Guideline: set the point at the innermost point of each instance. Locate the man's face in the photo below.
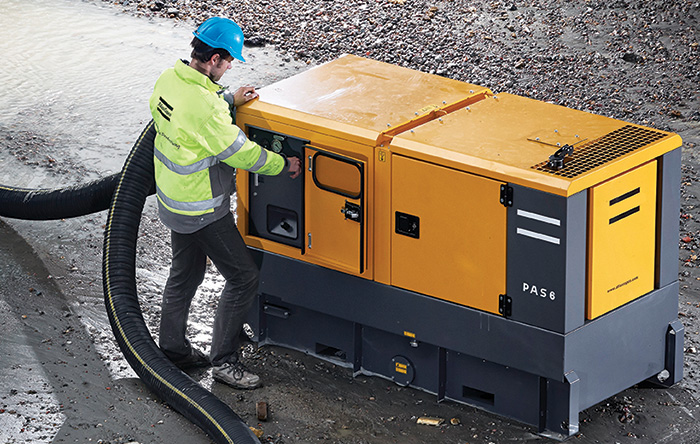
(221, 65)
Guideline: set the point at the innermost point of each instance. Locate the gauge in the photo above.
(277, 143)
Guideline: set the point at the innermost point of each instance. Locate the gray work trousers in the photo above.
(222, 243)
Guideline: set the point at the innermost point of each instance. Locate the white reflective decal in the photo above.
(539, 236)
(539, 217)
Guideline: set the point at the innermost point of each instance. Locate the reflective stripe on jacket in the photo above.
(196, 149)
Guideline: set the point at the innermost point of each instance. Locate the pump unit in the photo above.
(495, 250)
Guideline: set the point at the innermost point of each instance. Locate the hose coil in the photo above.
(125, 194)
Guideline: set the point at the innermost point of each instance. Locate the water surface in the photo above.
(82, 72)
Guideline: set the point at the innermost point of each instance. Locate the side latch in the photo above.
(556, 160)
(277, 311)
(408, 225)
(352, 211)
(506, 195)
(505, 305)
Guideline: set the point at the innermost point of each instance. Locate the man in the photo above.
(197, 148)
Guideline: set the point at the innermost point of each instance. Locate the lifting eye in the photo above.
(556, 160)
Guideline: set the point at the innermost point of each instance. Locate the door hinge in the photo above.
(505, 305)
(309, 234)
(506, 195)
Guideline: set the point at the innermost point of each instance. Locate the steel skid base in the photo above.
(535, 376)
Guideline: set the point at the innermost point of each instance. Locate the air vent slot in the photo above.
(603, 150)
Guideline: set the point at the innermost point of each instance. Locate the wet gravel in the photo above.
(633, 60)
(42, 153)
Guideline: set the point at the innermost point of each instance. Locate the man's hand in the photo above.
(294, 167)
(243, 95)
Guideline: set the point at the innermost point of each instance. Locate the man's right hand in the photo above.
(243, 95)
(294, 167)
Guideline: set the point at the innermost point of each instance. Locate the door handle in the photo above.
(352, 211)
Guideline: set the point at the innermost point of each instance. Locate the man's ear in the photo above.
(215, 59)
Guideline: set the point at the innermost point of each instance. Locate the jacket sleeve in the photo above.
(230, 145)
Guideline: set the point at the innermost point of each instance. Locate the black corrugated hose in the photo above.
(130, 189)
(49, 204)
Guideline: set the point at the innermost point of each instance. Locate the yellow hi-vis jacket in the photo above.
(196, 149)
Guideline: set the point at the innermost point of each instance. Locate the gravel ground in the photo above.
(633, 60)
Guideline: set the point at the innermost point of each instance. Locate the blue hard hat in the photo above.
(223, 33)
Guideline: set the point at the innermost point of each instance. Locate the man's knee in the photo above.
(252, 278)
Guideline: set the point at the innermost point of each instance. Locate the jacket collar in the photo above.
(191, 75)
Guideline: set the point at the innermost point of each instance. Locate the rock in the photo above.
(431, 421)
(633, 58)
(255, 41)
(261, 410)
(257, 432)
(431, 13)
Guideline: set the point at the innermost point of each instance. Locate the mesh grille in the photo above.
(603, 150)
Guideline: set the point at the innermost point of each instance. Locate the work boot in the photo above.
(236, 375)
(196, 359)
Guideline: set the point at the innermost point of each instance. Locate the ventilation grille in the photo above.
(603, 150)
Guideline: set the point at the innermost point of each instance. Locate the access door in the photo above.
(621, 240)
(335, 210)
(449, 236)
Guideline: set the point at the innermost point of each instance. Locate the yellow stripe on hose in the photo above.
(6, 188)
(118, 323)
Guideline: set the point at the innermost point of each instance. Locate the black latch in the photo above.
(556, 160)
(274, 310)
(505, 305)
(506, 195)
(352, 211)
(408, 225)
